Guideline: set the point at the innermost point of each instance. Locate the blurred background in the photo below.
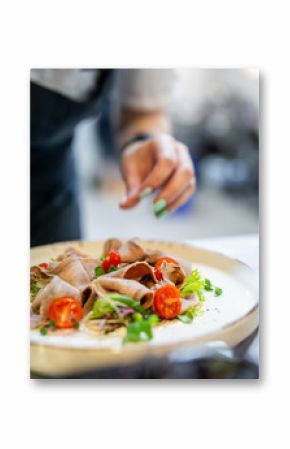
(215, 112)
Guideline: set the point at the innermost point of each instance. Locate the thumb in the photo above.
(131, 198)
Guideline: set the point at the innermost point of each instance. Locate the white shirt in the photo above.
(143, 89)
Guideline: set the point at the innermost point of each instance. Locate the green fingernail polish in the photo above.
(145, 192)
(159, 206)
(161, 214)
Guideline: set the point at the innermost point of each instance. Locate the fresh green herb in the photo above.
(102, 258)
(77, 325)
(208, 285)
(113, 268)
(200, 295)
(193, 284)
(188, 316)
(34, 289)
(218, 291)
(141, 330)
(103, 307)
(43, 330)
(51, 324)
(137, 317)
(128, 301)
(99, 271)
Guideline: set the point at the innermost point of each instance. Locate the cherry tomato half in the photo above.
(167, 302)
(43, 265)
(65, 312)
(158, 264)
(113, 258)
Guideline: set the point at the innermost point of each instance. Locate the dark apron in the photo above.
(53, 188)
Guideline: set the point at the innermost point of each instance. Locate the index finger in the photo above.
(166, 162)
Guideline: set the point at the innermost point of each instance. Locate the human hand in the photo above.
(159, 163)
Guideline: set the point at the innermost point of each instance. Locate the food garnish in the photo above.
(112, 259)
(43, 265)
(65, 312)
(188, 316)
(158, 264)
(167, 302)
(157, 290)
(210, 287)
(34, 289)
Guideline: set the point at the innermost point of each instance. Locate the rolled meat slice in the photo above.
(90, 264)
(56, 288)
(105, 285)
(172, 273)
(137, 271)
(72, 271)
(129, 251)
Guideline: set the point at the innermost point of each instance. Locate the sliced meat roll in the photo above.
(138, 271)
(56, 288)
(173, 273)
(129, 251)
(105, 285)
(72, 271)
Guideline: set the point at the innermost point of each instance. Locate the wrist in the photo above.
(140, 137)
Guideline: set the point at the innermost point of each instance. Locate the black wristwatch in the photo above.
(137, 138)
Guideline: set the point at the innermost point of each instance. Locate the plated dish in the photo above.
(128, 288)
(106, 326)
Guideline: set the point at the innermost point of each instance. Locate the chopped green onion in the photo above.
(43, 330)
(218, 291)
(208, 285)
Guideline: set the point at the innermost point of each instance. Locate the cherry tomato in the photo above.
(66, 312)
(43, 265)
(167, 302)
(113, 258)
(158, 264)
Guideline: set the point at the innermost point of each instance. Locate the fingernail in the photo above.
(145, 192)
(161, 214)
(159, 206)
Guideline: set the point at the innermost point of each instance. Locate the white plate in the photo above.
(230, 317)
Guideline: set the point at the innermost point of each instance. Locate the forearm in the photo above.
(132, 122)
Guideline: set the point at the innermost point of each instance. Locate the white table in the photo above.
(242, 247)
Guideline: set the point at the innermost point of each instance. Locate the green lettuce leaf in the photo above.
(193, 284)
(141, 330)
(188, 316)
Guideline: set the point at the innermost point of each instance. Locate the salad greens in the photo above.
(194, 284)
(137, 320)
(188, 316)
(99, 270)
(210, 287)
(108, 305)
(141, 329)
(34, 289)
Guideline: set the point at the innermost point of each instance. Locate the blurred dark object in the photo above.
(225, 140)
(213, 361)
